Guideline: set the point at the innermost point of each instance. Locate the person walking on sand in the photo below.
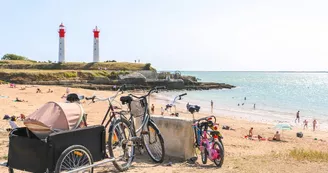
(152, 108)
(314, 124)
(212, 106)
(297, 116)
(305, 124)
(67, 91)
(162, 111)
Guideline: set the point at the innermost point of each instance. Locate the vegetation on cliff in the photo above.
(21, 76)
(12, 61)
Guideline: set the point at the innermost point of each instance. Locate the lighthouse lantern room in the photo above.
(61, 55)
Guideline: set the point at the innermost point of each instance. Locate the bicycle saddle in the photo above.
(125, 99)
(73, 97)
(193, 108)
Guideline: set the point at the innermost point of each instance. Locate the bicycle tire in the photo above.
(64, 154)
(203, 155)
(221, 143)
(111, 134)
(160, 159)
(221, 152)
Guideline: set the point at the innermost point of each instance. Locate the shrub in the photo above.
(309, 155)
(147, 66)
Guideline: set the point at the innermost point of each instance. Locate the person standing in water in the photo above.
(212, 106)
(305, 124)
(297, 116)
(314, 124)
(254, 106)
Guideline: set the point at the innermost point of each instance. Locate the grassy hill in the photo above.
(55, 75)
(20, 64)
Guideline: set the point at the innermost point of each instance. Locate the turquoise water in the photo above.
(277, 95)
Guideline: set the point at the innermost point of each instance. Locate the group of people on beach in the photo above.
(305, 122)
(276, 136)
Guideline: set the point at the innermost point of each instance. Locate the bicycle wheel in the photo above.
(119, 144)
(74, 157)
(203, 154)
(154, 143)
(219, 148)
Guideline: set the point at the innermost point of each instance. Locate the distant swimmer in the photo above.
(244, 98)
(242, 104)
(254, 106)
(238, 104)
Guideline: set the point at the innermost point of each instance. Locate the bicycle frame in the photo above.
(212, 153)
(110, 111)
(178, 97)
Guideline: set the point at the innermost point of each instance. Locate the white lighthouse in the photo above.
(61, 55)
(96, 45)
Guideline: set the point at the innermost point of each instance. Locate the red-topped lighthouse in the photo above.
(61, 56)
(96, 45)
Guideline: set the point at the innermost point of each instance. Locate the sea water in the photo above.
(277, 95)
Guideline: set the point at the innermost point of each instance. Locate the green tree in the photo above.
(14, 57)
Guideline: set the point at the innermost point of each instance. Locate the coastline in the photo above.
(246, 112)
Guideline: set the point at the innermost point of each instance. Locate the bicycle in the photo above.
(117, 134)
(208, 142)
(169, 106)
(149, 135)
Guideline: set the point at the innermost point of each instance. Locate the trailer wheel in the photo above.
(74, 157)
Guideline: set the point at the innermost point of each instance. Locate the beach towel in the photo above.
(3, 96)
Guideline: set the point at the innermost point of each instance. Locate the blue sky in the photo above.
(174, 34)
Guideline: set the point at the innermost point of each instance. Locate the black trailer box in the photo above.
(28, 153)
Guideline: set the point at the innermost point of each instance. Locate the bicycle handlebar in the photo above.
(206, 119)
(182, 94)
(95, 98)
(150, 91)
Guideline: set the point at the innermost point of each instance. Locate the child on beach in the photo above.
(305, 124)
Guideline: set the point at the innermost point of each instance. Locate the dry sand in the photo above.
(241, 155)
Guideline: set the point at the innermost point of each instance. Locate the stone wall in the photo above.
(178, 135)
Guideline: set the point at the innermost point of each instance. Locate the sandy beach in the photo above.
(241, 155)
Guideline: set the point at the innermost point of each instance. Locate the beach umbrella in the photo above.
(283, 126)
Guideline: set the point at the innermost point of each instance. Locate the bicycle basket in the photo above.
(137, 108)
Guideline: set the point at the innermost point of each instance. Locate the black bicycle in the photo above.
(149, 136)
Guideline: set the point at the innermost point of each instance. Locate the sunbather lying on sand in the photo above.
(18, 100)
(276, 137)
(227, 128)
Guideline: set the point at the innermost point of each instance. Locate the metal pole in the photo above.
(93, 165)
